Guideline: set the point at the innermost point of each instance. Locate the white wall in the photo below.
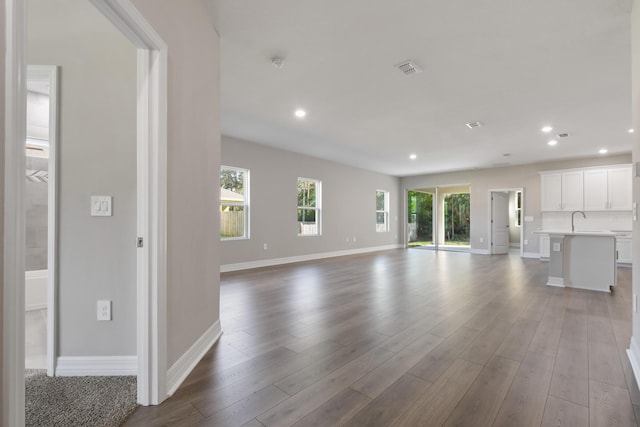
(194, 168)
(348, 204)
(484, 180)
(97, 156)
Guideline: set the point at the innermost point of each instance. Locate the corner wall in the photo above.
(348, 205)
(193, 138)
(523, 176)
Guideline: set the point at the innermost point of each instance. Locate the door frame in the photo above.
(151, 202)
(490, 216)
(49, 74)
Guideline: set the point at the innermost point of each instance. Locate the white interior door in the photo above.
(499, 223)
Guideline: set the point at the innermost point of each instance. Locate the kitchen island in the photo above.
(582, 259)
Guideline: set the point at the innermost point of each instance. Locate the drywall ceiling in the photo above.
(512, 65)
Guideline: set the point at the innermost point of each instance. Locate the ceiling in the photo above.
(515, 66)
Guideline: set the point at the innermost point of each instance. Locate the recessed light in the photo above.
(552, 142)
(300, 113)
(603, 151)
(630, 131)
(546, 129)
(413, 156)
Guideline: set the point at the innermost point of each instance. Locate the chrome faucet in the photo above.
(573, 215)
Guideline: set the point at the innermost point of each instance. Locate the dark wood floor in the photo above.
(411, 338)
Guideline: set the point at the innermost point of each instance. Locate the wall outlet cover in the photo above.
(104, 310)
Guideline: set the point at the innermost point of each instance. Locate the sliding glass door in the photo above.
(439, 218)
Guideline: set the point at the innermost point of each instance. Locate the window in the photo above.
(234, 203)
(309, 203)
(518, 208)
(382, 210)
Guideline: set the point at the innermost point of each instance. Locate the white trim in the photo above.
(535, 255)
(555, 281)
(301, 258)
(185, 364)
(634, 358)
(49, 74)
(151, 198)
(91, 366)
(14, 245)
(480, 251)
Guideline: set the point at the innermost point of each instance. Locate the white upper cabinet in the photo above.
(551, 191)
(619, 186)
(572, 191)
(591, 189)
(596, 194)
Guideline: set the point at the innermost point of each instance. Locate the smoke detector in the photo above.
(473, 125)
(408, 67)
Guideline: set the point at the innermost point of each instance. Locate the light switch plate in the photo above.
(528, 219)
(101, 205)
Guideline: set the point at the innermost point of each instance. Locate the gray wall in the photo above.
(97, 156)
(524, 176)
(348, 204)
(635, 101)
(193, 216)
(2, 91)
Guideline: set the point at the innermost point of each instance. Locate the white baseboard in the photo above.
(183, 366)
(96, 366)
(634, 357)
(301, 258)
(535, 255)
(556, 281)
(480, 251)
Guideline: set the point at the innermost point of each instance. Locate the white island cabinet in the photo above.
(582, 259)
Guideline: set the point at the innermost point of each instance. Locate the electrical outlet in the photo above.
(265, 246)
(104, 310)
(482, 240)
(354, 239)
(526, 242)
(347, 240)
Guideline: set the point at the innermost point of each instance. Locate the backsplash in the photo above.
(596, 221)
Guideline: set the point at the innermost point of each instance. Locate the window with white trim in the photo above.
(382, 211)
(309, 204)
(234, 203)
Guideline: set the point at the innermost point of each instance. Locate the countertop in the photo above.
(578, 233)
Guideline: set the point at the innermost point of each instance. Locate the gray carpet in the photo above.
(78, 401)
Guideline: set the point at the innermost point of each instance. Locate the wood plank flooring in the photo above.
(411, 338)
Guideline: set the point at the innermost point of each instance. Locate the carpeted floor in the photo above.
(78, 401)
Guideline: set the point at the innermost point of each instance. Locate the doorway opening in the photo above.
(151, 201)
(439, 218)
(40, 216)
(506, 220)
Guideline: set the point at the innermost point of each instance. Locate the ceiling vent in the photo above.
(408, 67)
(473, 125)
